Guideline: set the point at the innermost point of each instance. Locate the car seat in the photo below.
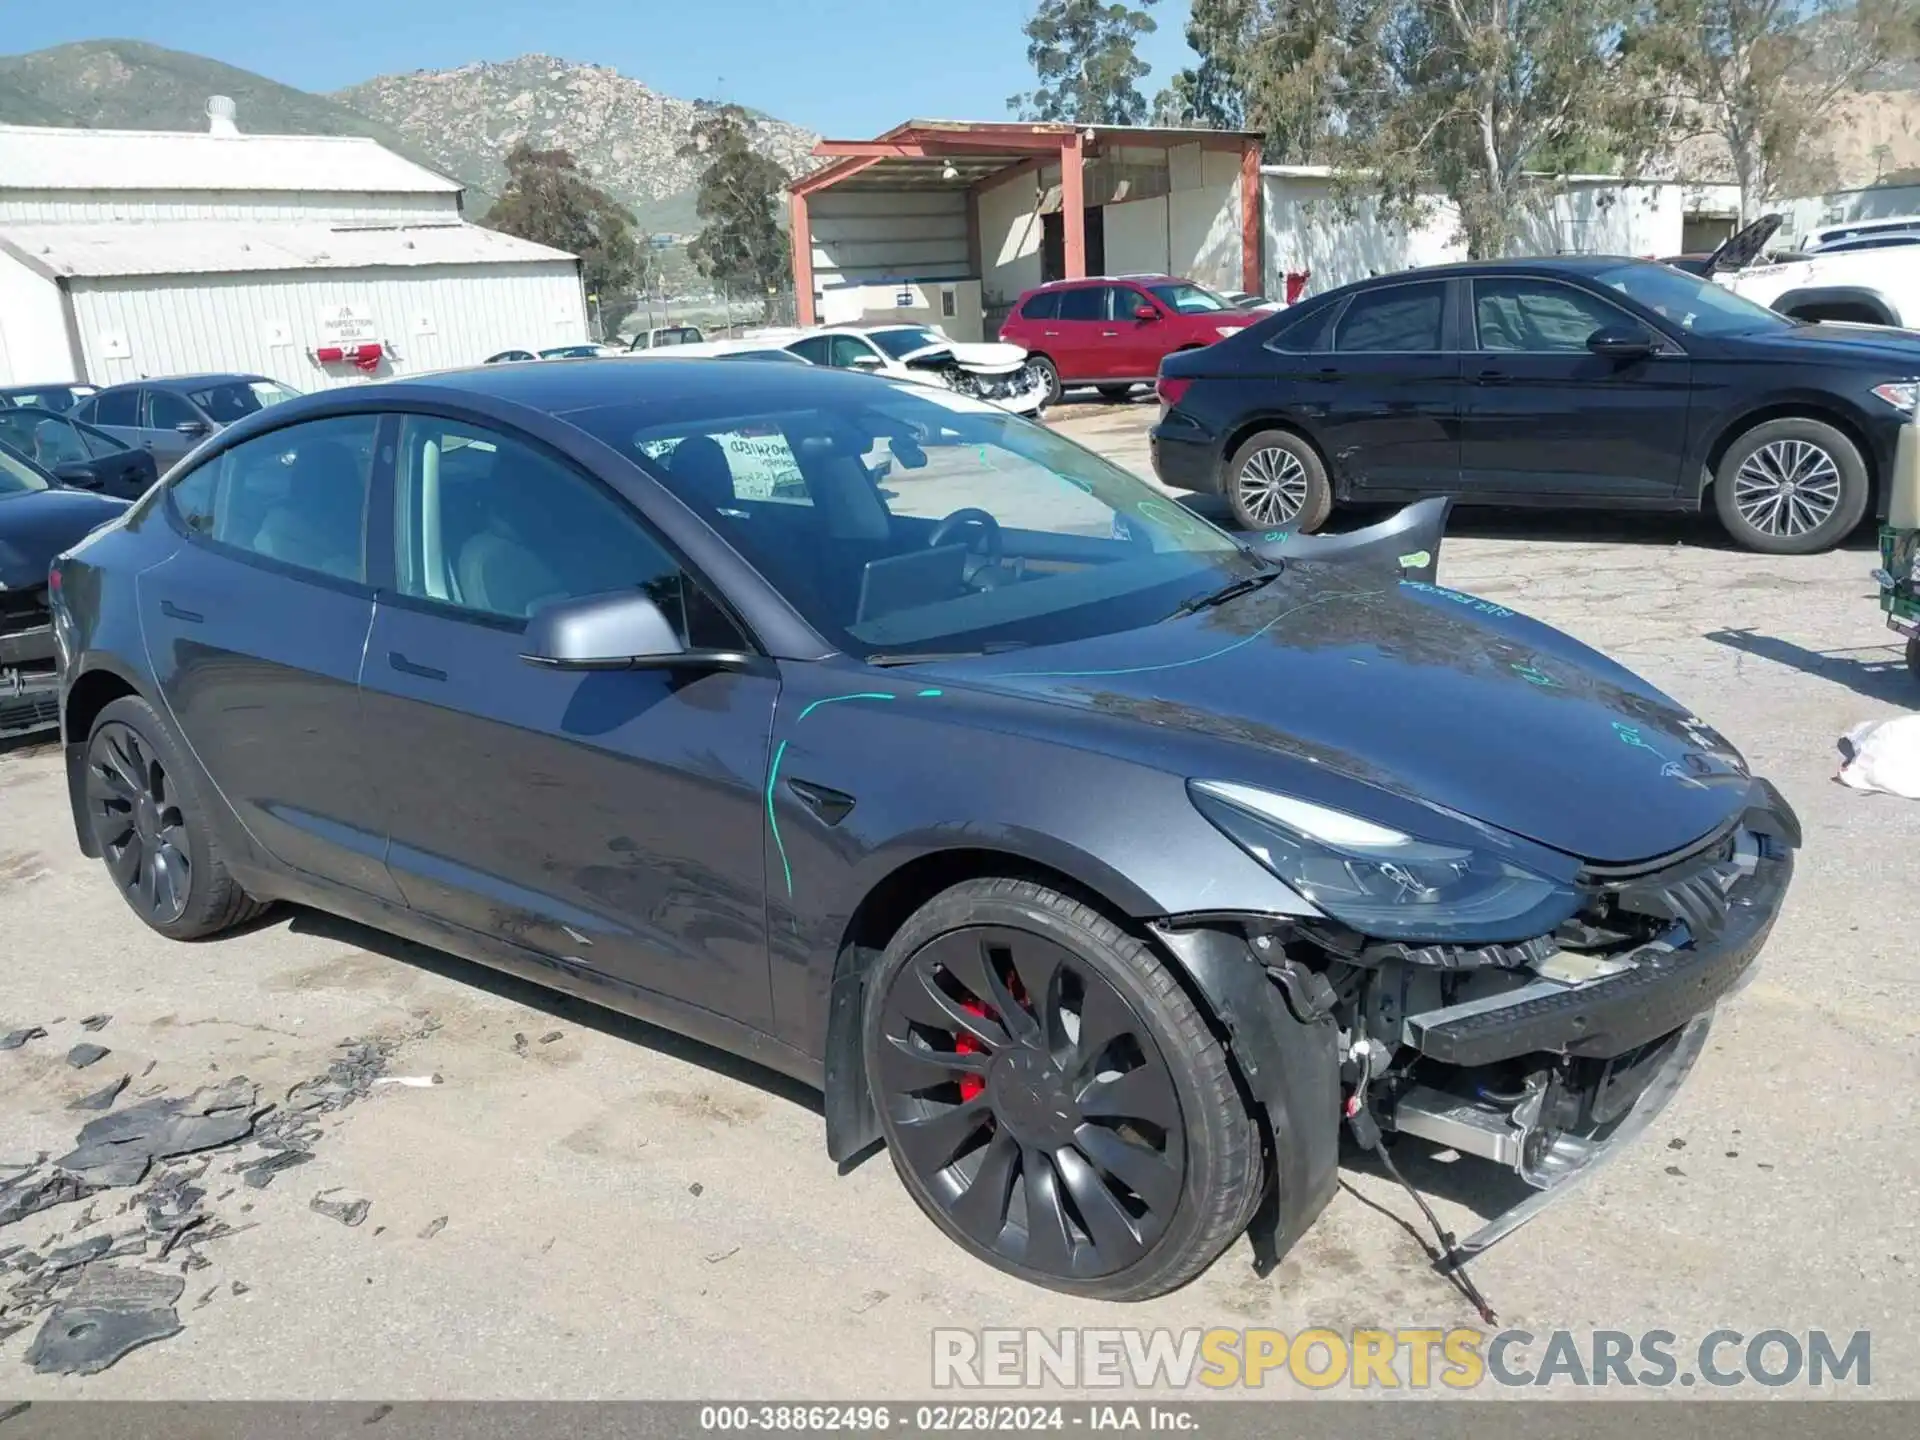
(318, 524)
(699, 474)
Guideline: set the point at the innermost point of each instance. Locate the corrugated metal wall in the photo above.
(861, 235)
(60, 207)
(432, 318)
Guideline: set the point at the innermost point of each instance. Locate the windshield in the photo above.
(1697, 306)
(227, 403)
(1188, 299)
(17, 477)
(900, 520)
(901, 343)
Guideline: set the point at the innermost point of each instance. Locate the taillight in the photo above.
(53, 580)
(1170, 388)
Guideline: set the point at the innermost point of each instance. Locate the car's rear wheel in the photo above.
(1791, 487)
(1051, 1096)
(1049, 376)
(147, 818)
(1275, 480)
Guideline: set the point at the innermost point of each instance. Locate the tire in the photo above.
(1791, 487)
(143, 799)
(1277, 479)
(1116, 394)
(1050, 374)
(977, 1160)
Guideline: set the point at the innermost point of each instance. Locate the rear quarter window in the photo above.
(1302, 332)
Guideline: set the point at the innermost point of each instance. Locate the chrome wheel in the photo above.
(1272, 486)
(137, 819)
(1030, 1102)
(1787, 488)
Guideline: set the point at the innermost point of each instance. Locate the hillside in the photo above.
(626, 134)
(131, 85)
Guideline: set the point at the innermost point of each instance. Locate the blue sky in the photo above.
(849, 68)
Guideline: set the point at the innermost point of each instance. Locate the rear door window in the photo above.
(1396, 319)
(1044, 306)
(116, 407)
(1088, 302)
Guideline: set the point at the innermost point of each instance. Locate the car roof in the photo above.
(179, 382)
(1142, 279)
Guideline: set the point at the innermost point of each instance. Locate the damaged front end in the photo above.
(1006, 380)
(1545, 1057)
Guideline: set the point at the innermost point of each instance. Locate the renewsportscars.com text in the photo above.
(1401, 1359)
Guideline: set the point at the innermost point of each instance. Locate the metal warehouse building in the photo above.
(315, 260)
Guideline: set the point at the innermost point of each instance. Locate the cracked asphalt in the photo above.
(611, 1212)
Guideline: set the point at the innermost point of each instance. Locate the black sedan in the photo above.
(1572, 381)
(76, 454)
(39, 518)
(1099, 868)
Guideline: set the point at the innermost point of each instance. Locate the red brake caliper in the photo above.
(965, 1044)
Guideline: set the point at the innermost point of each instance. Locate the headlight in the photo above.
(1899, 394)
(1380, 882)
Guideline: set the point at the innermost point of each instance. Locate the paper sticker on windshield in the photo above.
(960, 404)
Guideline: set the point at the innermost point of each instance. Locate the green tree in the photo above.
(740, 244)
(549, 199)
(1764, 76)
(1083, 53)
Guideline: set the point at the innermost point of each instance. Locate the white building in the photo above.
(316, 260)
(1309, 231)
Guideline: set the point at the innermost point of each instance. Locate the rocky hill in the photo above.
(627, 135)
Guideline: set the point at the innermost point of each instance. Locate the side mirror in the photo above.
(77, 474)
(1145, 313)
(867, 362)
(192, 427)
(1621, 342)
(622, 631)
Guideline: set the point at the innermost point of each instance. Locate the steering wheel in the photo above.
(993, 545)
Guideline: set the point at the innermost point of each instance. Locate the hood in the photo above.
(34, 528)
(1414, 689)
(1863, 343)
(1739, 249)
(991, 358)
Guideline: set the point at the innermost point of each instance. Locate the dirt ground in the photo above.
(586, 1207)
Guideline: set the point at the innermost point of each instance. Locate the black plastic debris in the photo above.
(83, 1055)
(103, 1098)
(91, 1023)
(92, 1248)
(111, 1312)
(433, 1227)
(347, 1212)
(39, 1190)
(260, 1174)
(550, 1037)
(519, 1043)
(116, 1149)
(240, 1287)
(14, 1039)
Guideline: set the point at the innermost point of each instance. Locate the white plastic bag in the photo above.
(1883, 756)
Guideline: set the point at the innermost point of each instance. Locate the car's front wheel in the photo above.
(1048, 375)
(1051, 1096)
(1791, 487)
(1276, 479)
(151, 827)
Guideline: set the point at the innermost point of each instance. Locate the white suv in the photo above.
(1841, 276)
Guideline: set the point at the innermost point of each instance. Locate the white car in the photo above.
(1840, 281)
(996, 373)
(746, 348)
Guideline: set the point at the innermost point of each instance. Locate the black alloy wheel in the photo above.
(1036, 1111)
(135, 807)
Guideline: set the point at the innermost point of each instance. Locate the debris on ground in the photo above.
(550, 1037)
(14, 1039)
(412, 1082)
(347, 1211)
(112, 1310)
(103, 1098)
(239, 1287)
(718, 1255)
(91, 1023)
(433, 1227)
(260, 1173)
(116, 1149)
(36, 1190)
(519, 1043)
(1883, 756)
(696, 1189)
(83, 1055)
(70, 1256)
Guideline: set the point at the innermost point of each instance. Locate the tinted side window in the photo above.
(1539, 316)
(1303, 334)
(847, 351)
(490, 525)
(1397, 318)
(297, 495)
(813, 348)
(1089, 302)
(115, 407)
(1044, 306)
(166, 410)
(1123, 300)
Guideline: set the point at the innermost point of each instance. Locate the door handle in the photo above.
(407, 667)
(174, 612)
(1050, 332)
(1109, 334)
(1492, 377)
(1329, 373)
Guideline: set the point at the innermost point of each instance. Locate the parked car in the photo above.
(1113, 333)
(1107, 976)
(76, 454)
(578, 352)
(39, 517)
(170, 415)
(999, 374)
(1864, 279)
(666, 336)
(1826, 236)
(1568, 381)
(59, 398)
(509, 357)
(1247, 300)
(744, 349)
